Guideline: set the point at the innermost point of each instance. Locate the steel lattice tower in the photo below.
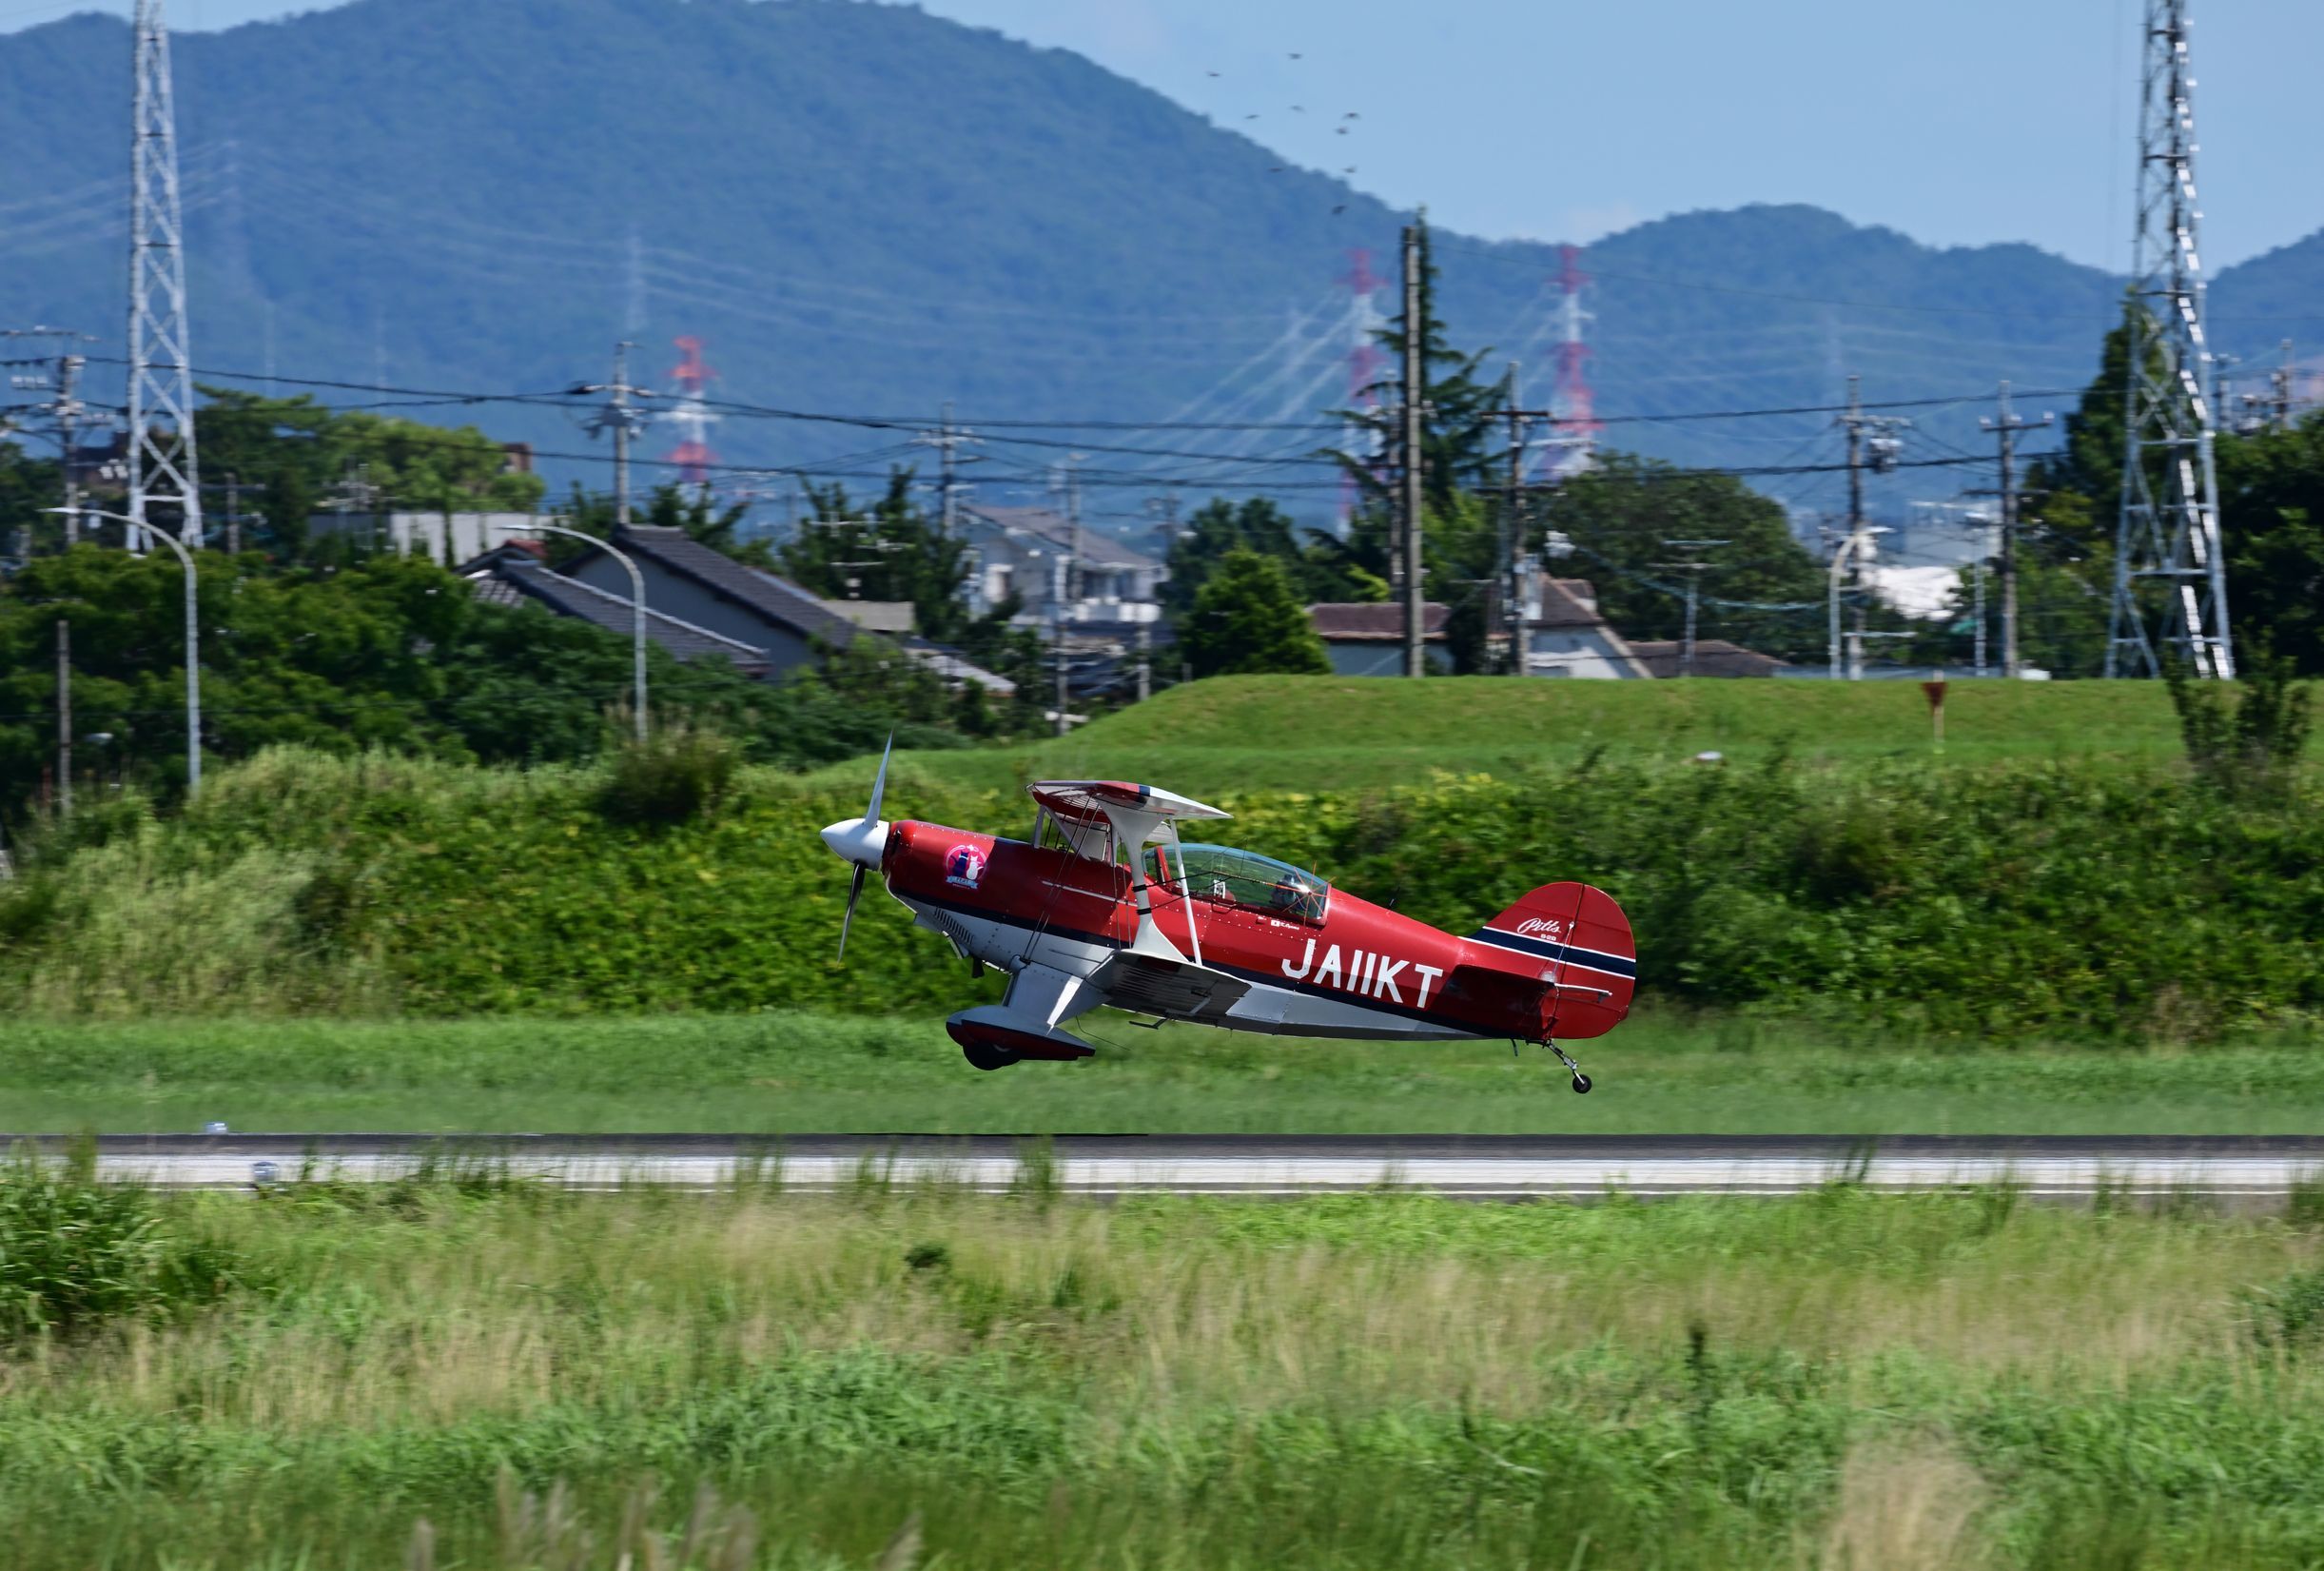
(162, 468)
(2170, 576)
(1575, 429)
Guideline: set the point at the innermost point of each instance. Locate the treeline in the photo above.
(2072, 901)
(318, 641)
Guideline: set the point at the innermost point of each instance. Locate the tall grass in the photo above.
(1842, 1380)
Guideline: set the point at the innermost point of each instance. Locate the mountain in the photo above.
(863, 208)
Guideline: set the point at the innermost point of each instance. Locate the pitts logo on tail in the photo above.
(1106, 907)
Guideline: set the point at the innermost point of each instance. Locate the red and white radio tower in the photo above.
(1574, 428)
(691, 415)
(1366, 362)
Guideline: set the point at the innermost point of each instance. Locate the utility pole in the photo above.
(1513, 531)
(2169, 573)
(233, 514)
(622, 421)
(1073, 523)
(1873, 445)
(2005, 427)
(162, 462)
(64, 717)
(62, 408)
(947, 439)
(1693, 566)
(1416, 392)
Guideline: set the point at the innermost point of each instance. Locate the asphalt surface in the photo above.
(2257, 1172)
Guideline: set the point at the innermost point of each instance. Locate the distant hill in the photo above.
(861, 207)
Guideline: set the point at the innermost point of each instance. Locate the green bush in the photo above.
(671, 776)
(2019, 899)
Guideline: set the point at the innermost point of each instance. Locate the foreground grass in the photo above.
(1240, 734)
(806, 1073)
(1842, 1380)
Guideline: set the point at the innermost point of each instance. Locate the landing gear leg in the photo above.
(1581, 1081)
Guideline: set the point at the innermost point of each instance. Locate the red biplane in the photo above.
(1105, 906)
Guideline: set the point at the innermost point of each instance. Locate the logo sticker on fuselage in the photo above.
(964, 865)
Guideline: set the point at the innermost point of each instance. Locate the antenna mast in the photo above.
(2170, 575)
(162, 469)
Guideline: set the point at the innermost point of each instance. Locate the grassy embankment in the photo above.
(799, 1074)
(2015, 901)
(1244, 733)
(1843, 1380)
(2095, 900)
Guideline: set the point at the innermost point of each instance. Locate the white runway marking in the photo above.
(2256, 1173)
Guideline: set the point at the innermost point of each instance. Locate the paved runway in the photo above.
(2256, 1173)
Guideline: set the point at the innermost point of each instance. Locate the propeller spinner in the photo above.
(861, 840)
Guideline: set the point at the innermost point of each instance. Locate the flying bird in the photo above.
(1296, 110)
(1341, 209)
(1350, 169)
(1350, 115)
(1295, 57)
(1250, 117)
(1210, 74)
(1342, 130)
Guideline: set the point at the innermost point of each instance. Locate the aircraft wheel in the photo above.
(988, 1058)
(1581, 1084)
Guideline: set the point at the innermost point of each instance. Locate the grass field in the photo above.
(1304, 732)
(472, 1373)
(810, 1073)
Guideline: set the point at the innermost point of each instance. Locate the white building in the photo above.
(1034, 554)
(447, 538)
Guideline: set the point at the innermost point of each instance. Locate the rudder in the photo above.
(1585, 944)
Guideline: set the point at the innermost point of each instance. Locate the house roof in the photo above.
(512, 577)
(776, 600)
(1567, 602)
(956, 671)
(1097, 548)
(1374, 621)
(1712, 658)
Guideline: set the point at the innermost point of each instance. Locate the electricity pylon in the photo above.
(163, 472)
(2170, 575)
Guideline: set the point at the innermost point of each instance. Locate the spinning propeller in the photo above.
(861, 840)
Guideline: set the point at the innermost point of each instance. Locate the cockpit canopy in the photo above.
(1229, 877)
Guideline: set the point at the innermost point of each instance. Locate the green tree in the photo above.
(1246, 618)
(1320, 567)
(887, 550)
(1459, 428)
(2271, 520)
(28, 485)
(290, 456)
(1618, 517)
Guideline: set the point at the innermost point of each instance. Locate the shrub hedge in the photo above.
(2014, 899)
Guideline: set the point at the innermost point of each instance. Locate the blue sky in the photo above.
(1956, 121)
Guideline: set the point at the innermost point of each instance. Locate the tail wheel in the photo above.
(988, 1058)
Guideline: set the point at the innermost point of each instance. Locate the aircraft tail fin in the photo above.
(1577, 943)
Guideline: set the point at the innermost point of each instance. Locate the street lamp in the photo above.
(1858, 541)
(638, 615)
(193, 639)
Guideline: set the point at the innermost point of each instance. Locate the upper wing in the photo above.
(1095, 801)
